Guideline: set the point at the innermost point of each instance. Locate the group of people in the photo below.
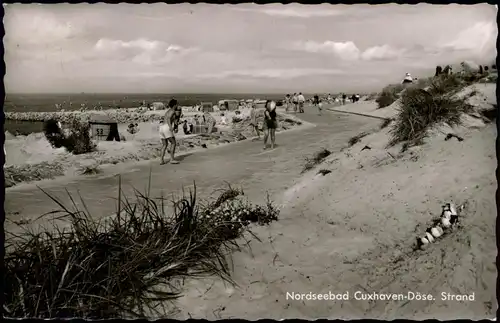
(295, 101)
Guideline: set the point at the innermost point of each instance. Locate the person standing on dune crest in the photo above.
(167, 129)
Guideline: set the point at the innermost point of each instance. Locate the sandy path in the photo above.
(241, 163)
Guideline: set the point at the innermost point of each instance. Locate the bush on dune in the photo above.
(78, 140)
(421, 109)
(389, 95)
(116, 268)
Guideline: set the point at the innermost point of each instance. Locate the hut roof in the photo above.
(101, 118)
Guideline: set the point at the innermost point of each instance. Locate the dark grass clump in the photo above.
(421, 109)
(384, 124)
(490, 114)
(90, 170)
(115, 268)
(389, 95)
(77, 141)
(354, 140)
(316, 159)
(324, 172)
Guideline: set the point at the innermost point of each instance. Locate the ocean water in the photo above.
(47, 102)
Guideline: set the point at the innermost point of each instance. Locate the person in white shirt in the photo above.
(407, 79)
(301, 100)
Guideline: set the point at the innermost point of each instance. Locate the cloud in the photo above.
(295, 12)
(344, 50)
(479, 38)
(42, 28)
(349, 51)
(272, 73)
(141, 51)
(384, 52)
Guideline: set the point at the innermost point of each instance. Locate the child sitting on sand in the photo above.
(223, 119)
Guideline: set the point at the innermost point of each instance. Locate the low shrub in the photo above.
(389, 95)
(115, 267)
(77, 141)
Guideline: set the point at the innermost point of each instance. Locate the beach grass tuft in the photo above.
(421, 109)
(127, 264)
(316, 159)
(355, 139)
(384, 124)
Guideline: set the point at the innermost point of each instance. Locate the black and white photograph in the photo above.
(246, 161)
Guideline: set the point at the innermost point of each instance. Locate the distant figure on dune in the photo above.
(344, 98)
(407, 79)
(270, 123)
(167, 129)
(439, 71)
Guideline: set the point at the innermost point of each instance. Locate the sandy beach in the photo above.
(360, 235)
(31, 158)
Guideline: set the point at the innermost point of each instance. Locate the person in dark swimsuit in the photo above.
(316, 103)
(270, 123)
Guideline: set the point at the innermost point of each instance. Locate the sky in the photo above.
(245, 48)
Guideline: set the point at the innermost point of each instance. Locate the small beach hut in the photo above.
(229, 105)
(102, 127)
(158, 106)
(207, 107)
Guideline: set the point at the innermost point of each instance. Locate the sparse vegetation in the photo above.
(389, 95)
(90, 170)
(316, 159)
(420, 109)
(15, 174)
(354, 140)
(385, 123)
(128, 264)
(324, 172)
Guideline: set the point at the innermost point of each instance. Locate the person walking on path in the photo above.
(287, 102)
(253, 121)
(301, 100)
(270, 123)
(167, 129)
(317, 103)
(295, 102)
